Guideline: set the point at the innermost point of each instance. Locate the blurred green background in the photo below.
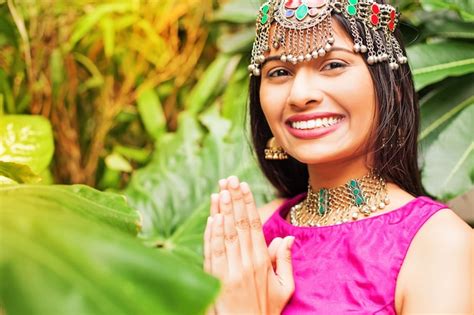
(117, 118)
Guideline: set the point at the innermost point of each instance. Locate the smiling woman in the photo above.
(334, 120)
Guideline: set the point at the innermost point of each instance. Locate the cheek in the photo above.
(272, 100)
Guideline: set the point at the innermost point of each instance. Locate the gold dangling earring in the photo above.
(274, 151)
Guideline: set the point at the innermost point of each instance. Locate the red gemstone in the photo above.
(375, 8)
(393, 14)
(374, 19)
(391, 25)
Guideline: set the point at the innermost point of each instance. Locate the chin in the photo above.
(322, 154)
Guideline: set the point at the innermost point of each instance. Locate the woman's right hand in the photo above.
(256, 279)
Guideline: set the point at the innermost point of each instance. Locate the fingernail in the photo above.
(225, 196)
(214, 197)
(244, 187)
(234, 182)
(209, 220)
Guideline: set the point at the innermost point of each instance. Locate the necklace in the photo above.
(355, 199)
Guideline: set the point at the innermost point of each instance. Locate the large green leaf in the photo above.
(11, 172)
(443, 104)
(450, 28)
(433, 62)
(211, 82)
(238, 11)
(26, 139)
(109, 208)
(465, 8)
(449, 166)
(55, 261)
(173, 191)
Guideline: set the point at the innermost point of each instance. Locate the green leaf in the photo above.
(441, 105)
(19, 173)
(210, 82)
(109, 208)
(54, 261)
(238, 42)
(88, 21)
(117, 162)
(234, 100)
(465, 8)
(109, 36)
(57, 73)
(151, 113)
(450, 28)
(450, 160)
(26, 139)
(172, 192)
(433, 62)
(237, 11)
(7, 93)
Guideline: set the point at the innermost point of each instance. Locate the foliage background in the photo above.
(147, 99)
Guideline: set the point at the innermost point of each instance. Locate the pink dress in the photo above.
(350, 268)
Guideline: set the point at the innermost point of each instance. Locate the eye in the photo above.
(278, 73)
(334, 65)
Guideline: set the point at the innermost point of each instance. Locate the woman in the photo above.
(334, 121)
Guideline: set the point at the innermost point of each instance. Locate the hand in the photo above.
(256, 279)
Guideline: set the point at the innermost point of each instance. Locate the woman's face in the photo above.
(323, 110)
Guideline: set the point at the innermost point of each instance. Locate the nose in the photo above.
(305, 90)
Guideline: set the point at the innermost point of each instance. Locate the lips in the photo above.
(314, 125)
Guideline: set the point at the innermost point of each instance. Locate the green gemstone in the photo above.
(264, 19)
(265, 8)
(301, 12)
(359, 200)
(356, 191)
(353, 183)
(351, 10)
(322, 211)
(353, 2)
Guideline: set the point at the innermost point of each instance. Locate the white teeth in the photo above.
(315, 123)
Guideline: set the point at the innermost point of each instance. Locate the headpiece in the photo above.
(303, 29)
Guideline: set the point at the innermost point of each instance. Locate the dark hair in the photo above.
(395, 135)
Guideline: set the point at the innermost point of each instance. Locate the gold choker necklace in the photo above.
(351, 201)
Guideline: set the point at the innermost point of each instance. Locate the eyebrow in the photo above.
(277, 57)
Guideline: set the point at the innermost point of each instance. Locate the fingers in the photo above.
(242, 222)
(214, 204)
(207, 246)
(284, 269)
(218, 253)
(258, 239)
(222, 184)
(231, 239)
(272, 250)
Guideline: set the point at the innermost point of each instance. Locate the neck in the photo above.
(330, 175)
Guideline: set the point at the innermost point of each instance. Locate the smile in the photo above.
(315, 123)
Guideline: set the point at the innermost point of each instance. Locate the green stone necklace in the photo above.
(351, 201)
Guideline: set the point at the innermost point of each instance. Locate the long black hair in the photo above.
(394, 137)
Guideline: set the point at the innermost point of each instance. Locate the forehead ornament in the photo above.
(303, 30)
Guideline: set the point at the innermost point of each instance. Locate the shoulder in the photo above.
(438, 268)
(268, 209)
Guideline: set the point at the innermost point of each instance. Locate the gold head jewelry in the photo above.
(303, 30)
(274, 151)
(356, 199)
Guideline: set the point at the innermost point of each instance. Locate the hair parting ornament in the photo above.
(303, 29)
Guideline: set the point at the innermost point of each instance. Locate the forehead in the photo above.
(341, 38)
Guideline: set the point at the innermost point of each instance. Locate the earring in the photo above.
(274, 151)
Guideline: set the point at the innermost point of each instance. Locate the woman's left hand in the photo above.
(256, 279)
